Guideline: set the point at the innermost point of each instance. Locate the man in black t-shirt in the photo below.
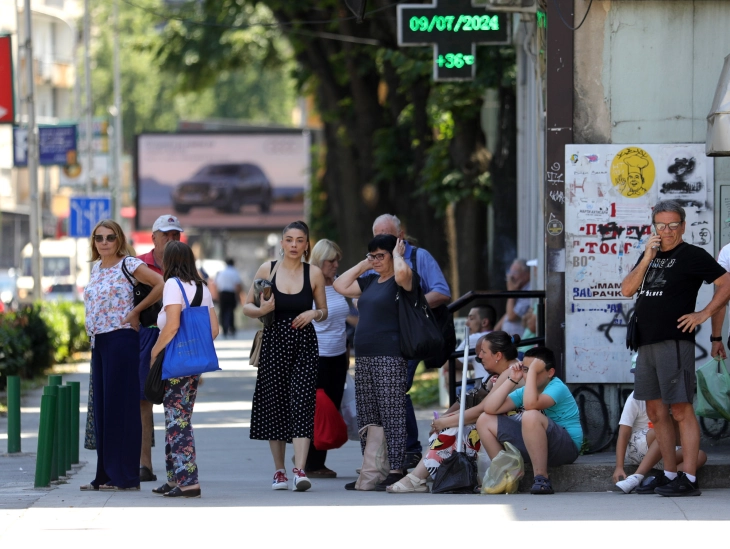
(668, 276)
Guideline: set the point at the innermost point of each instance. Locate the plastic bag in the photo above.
(457, 474)
(483, 463)
(713, 390)
(505, 472)
(348, 409)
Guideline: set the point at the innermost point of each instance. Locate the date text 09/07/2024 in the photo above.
(451, 23)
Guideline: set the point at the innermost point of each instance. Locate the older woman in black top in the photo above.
(284, 398)
(380, 369)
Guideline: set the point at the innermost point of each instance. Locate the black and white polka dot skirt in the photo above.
(286, 383)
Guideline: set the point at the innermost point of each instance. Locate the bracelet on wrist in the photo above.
(513, 381)
(713, 338)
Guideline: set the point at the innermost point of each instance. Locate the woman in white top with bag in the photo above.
(332, 338)
(180, 392)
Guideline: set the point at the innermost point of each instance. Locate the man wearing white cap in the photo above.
(165, 228)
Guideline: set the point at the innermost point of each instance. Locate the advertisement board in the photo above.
(223, 180)
(7, 102)
(609, 194)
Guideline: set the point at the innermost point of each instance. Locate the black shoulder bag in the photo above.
(148, 317)
(445, 321)
(420, 335)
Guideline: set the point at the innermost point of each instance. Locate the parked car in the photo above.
(65, 270)
(225, 187)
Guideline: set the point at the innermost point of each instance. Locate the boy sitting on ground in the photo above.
(637, 445)
(549, 432)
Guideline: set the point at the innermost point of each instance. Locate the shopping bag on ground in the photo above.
(457, 474)
(505, 472)
(330, 431)
(713, 390)
(348, 409)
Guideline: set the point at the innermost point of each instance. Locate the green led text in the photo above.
(451, 23)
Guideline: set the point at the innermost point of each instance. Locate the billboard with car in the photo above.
(223, 180)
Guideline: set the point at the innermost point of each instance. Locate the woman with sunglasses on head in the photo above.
(112, 323)
(496, 353)
(286, 381)
(380, 370)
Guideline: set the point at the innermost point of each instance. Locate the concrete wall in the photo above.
(646, 72)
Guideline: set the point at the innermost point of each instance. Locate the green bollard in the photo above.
(55, 379)
(52, 390)
(13, 414)
(75, 417)
(44, 457)
(62, 428)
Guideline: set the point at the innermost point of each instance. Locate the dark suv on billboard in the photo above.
(225, 187)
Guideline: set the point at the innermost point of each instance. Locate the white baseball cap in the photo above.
(166, 223)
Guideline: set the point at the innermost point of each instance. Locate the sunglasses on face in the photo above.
(373, 257)
(672, 226)
(109, 237)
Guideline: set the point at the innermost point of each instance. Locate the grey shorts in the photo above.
(561, 448)
(666, 371)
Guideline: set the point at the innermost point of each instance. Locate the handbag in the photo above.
(375, 464)
(420, 335)
(713, 390)
(330, 430)
(154, 385)
(259, 285)
(253, 359)
(148, 317)
(191, 351)
(476, 394)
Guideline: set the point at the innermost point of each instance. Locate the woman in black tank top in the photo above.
(284, 398)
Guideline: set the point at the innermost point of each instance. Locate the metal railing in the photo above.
(475, 295)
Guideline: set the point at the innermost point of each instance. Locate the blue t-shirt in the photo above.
(564, 412)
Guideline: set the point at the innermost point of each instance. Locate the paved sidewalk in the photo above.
(239, 506)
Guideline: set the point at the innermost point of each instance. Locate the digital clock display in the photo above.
(454, 28)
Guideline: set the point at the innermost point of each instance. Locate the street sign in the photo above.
(86, 212)
(453, 28)
(7, 108)
(56, 146)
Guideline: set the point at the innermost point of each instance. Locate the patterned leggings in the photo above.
(380, 388)
(180, 393)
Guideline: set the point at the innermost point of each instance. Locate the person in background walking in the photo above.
(437, 293)
(332, 341)
(286, 380)
(229, 285)
(166, 228)
(180, 392)
(112, 322)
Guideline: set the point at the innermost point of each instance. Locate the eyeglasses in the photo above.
(109, 238)
(373, 257)
(672, 226)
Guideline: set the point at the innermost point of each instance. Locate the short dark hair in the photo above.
(179, 262)
(672, 206)
(501, 342)
(544, 354)
(299, 225)
(488, 312)
(385, 242)
(230, 261)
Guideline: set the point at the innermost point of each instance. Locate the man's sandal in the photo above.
(541, 485)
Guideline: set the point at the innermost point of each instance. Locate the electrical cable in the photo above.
(557, 5)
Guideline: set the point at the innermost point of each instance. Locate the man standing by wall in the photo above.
(437, 293)
(165, 228)
(229, 285)
(669, 274)
(518, 278)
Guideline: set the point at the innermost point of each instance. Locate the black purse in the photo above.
(154, 385)
(420, 334)
(148, 317)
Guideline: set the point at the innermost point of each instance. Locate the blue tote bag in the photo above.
(191, 351)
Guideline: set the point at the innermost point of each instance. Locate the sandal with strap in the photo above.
(541, 485)
(408, 484)
(88, 488)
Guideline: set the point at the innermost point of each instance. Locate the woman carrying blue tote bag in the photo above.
(187, 331)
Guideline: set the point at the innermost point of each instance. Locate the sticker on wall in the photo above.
(554, 226)
(632, 172)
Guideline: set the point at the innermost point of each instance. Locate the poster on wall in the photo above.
(609, 193)
(252, 181)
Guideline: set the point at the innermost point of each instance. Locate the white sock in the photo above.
(280, 471)
(691, 478)
(669, 475)
(637, 475)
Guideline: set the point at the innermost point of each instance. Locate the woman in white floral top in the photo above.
(112, 323)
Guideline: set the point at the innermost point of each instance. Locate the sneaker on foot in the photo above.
(649, 484)
(630, 483)
(301, 482)
(280, 481)
(679, 487)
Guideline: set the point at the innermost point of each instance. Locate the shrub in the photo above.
(65, 323)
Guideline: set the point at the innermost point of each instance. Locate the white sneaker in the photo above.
(301, 482)
(630, 483)
(280, 481)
